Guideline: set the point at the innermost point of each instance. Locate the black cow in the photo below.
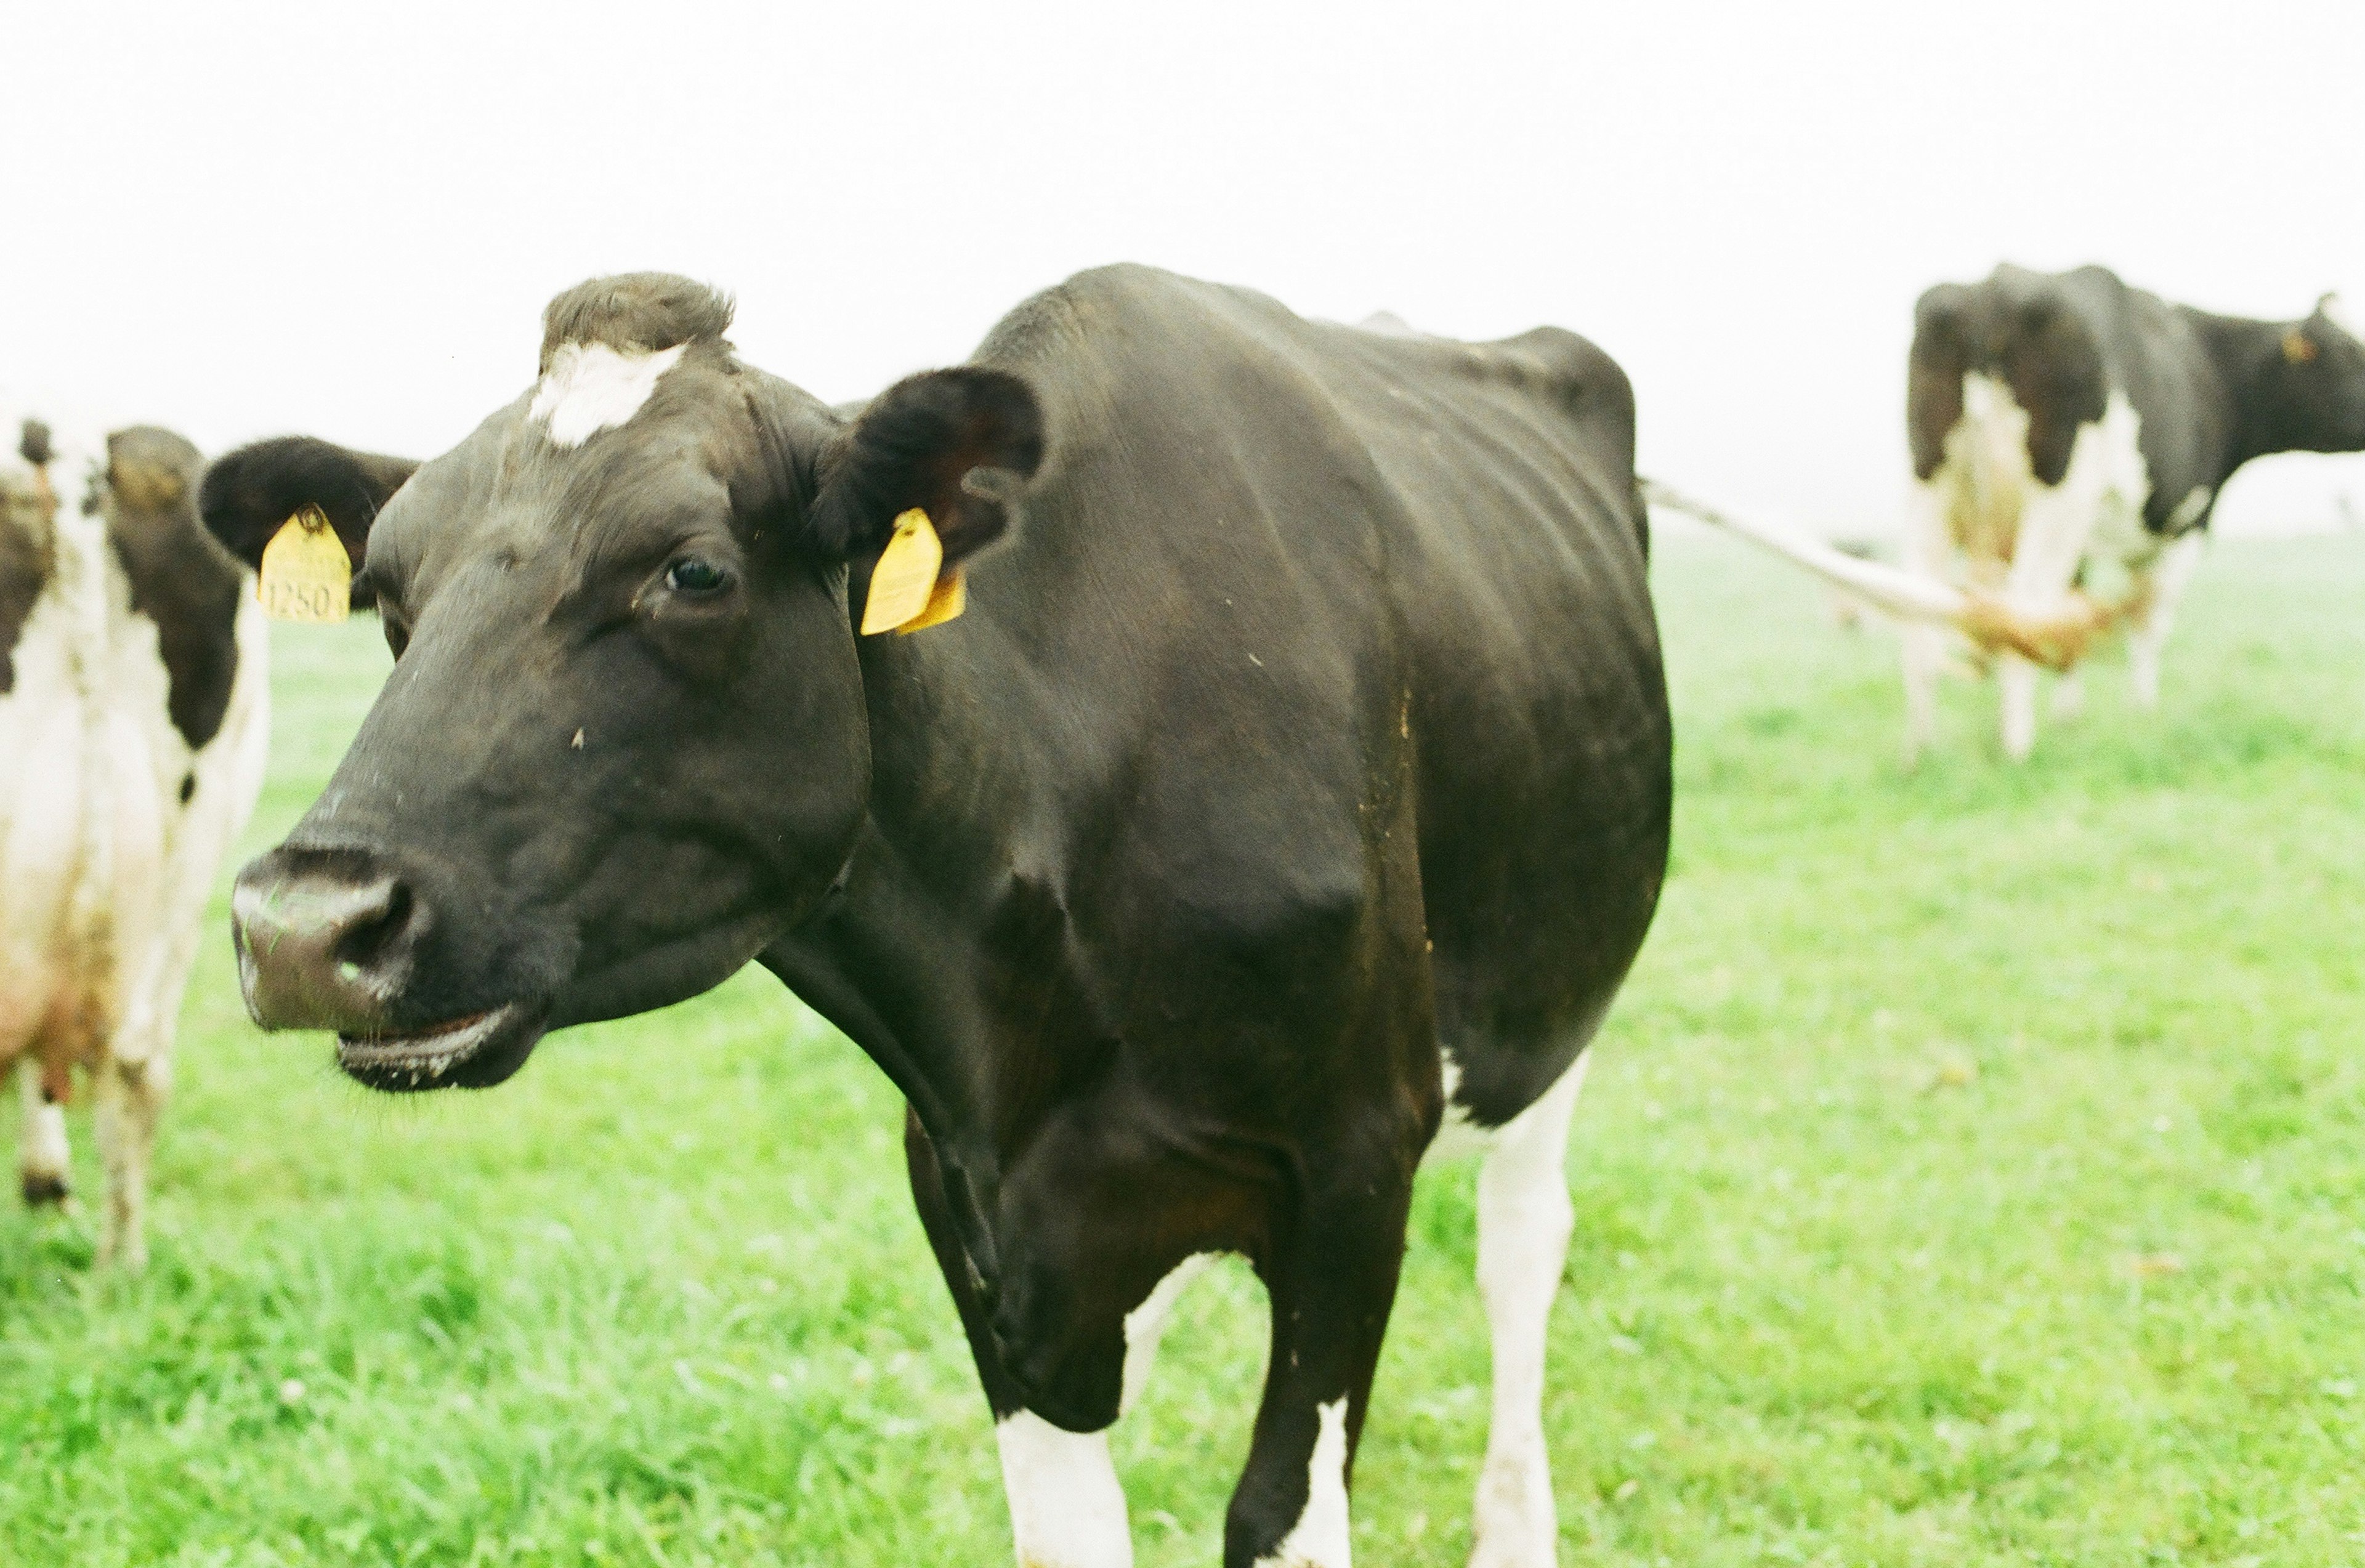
(1298, 780)
(2070, 435)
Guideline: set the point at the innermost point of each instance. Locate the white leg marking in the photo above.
(1146, 1324)
(42, 1154)
(1318, 1540)
(2169, 576)
(590, 388)
(1066, 1507)
(1524, 1220)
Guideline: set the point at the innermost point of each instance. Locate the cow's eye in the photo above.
(697, 577)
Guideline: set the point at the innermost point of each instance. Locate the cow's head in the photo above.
(624, 743)
(2317, 401)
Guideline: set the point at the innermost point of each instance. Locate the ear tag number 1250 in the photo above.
(905, 592)
(306, 573)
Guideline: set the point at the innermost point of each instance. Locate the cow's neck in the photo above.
(944, 951)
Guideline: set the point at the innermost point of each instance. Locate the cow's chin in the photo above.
(472, 1052)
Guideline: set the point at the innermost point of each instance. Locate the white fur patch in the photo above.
(1066, 1509)
(1457, 1135)
(590, 388)
(1524, 1219)
(1320, 1538)
(1145, 1324)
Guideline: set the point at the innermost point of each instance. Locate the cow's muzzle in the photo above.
(332, 939)
(325, 939)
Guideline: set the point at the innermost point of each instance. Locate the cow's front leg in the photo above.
(1332, 1282)
(130, 1095)
(1067, 1509)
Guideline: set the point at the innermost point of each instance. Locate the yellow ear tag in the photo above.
(2298, 347)
(306, 573)
(946, 601)
(905, 578)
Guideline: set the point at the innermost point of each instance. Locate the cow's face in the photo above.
(2323, 372)
(623, 745)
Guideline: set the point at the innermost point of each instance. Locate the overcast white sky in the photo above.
(344, 218)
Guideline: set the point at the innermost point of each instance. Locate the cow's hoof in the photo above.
(41, 1188)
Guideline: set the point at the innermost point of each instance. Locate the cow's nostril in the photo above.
(375, 930)
(326, 941)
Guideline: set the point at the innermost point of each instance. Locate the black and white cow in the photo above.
(1296, 781)
(133, 722)
(2070, 436)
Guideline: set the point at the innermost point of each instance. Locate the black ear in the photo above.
(957, 443)
(248, 494)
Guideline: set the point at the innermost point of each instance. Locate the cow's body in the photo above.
(2070, 436)
(1297, 778)
(133, 730)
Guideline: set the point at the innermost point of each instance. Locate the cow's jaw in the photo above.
(472, 1052)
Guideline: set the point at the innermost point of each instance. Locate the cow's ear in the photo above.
(959, 445)
(248, 495)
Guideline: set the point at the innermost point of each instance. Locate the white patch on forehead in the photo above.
(590, 388)
(1319, 1539)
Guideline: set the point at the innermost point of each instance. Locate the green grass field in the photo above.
(1972, 1174)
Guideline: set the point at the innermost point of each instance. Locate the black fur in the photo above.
(180, 577)
(27, 555)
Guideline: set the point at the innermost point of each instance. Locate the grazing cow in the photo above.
(2070, 437)
(1296, 780)
(132, 726)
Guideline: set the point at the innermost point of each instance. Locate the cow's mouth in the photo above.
(472, 1052)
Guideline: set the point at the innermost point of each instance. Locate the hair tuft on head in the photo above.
(635, 312)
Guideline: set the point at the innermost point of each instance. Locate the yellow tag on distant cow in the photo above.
(946, 601)
(905, 578)
(306, 575)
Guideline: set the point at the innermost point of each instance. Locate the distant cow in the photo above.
(2070, 437)
(133, 729)
(1297, 779)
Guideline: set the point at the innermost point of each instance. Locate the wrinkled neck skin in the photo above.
(910, 952)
